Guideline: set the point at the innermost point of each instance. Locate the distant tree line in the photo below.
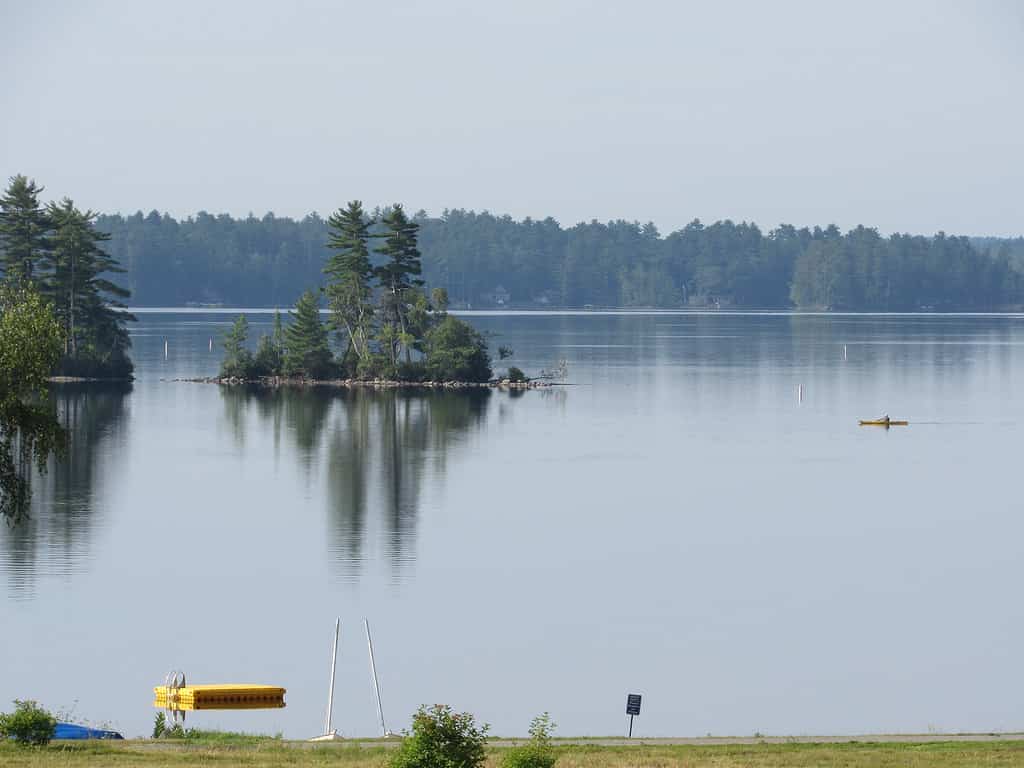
(483, 260)
(1009, 248)
(386, 325)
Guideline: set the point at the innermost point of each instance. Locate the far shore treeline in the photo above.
(488, 261)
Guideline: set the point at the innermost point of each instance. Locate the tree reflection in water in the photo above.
(378, 448)
(62, 513)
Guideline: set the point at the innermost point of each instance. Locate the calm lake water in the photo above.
(676, 524)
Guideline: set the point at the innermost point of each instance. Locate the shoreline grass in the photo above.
(270, 751)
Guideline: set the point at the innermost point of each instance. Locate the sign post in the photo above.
(632, 709)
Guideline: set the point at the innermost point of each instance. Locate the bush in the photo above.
(457, 352)
(316, 364)
(515, 375)
(239, 366)
(89, 365)
(269, 360)
(414, 371)
(373, 367)
(538, 753)
(28, 724)
(164, 730)
(442, 739)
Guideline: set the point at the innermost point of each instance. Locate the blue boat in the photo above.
(72, 731)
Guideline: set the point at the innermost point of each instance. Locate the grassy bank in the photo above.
(271, 752)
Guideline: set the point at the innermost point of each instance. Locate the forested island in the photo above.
(488, 261)
(388, 328)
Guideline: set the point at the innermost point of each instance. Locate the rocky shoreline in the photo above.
(283, 381)
(88, 380)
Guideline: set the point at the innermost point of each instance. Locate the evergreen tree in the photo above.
(24, 229)
(397, 275)
(278, 335)
(268, 360)
(88, 305)
(237, 357)
(307, 352)
(349, 289)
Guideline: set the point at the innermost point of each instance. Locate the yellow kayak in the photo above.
(883, 423)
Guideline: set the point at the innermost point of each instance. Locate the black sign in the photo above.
(633, 704)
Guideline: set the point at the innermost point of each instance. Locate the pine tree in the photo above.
(237, 357)
(24, 229)
(397, 276)
(269, 359)
(349, 289)
(278, 336)
(88, 305)
(307, 352)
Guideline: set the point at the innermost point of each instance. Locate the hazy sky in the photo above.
(902, 115)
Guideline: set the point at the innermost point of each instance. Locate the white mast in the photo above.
(334, 667)
(329, 733)
(376, 686)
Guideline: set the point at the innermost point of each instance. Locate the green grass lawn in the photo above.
(256, 751)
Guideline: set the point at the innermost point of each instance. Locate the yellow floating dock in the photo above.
(221, 696)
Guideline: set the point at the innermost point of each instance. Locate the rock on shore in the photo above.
(282, 381)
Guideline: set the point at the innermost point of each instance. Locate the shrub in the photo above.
(373, 367)
(441, 738)
(89, 364)
(457, 351)
(28, 724)
(414, 371)
(538, 753)
(515, 375)
(240, 366)
(164, 730)
(268, 360)
(315, 364)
